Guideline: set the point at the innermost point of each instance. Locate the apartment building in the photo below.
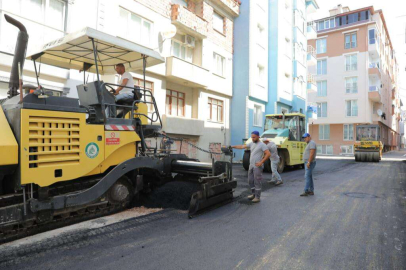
(250, 82)
(356, 80)
(270, 64)
(48, 23)
(192, 88)
(288, 55)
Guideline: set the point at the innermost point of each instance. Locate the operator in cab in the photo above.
(126, 80)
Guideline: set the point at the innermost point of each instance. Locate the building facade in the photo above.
(270, 64)
(288, 55)
(356, 80)
(193, 88)
(250, 83)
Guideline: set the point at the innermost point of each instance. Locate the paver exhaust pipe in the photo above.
(19, 55)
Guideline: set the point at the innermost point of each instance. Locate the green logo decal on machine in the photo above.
(92, 150)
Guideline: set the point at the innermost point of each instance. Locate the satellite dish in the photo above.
(379, 112)
(169, 31)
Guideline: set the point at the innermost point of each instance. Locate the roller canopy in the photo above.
(75, 51)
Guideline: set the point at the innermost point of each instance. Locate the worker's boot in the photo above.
(256, 200)
(251, 197)
(278, 183)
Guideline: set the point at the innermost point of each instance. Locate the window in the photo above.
(135, 28)
(219, 64)
(322, 88)
(347, 149)
(261, 75)
(351, 108)
(50, 12)
(325, 24)
(257, 115)
(348, 132)
(351, 40)
(324, 132)
(351, 62)
(322, 67)
(175, 103)
(322, 109)
(215, 109)
(218, 22)
(321, 45)
(351, 85)
(371, 36)
(324, 149)
(182, 51)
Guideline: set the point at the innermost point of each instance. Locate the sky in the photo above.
(395, 17)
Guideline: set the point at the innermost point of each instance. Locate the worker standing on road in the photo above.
(273, 149)
(259, 154)
(309, 159)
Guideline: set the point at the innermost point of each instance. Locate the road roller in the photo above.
(68, 159)
(368, 146)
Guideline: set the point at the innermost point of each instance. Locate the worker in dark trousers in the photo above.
(276, 177)
(259, 154)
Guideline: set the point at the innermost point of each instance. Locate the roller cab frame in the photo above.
(285, 130)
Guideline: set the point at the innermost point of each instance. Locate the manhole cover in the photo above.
(359, 195)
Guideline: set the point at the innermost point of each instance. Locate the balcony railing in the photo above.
(311, 50)
(232, 5)
(188, 21)
(311, 79)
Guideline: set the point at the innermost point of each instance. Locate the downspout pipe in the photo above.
(19, 55)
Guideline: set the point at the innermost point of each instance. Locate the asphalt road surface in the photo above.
(356, 220)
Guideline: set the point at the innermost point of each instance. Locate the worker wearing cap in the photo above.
(309, 159)
(273, 149)
(259, 154)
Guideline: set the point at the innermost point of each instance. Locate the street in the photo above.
(356, 220)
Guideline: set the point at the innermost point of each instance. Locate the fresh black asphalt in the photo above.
(356, 220)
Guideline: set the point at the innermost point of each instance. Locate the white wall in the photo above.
(258, 54)
(336, 94)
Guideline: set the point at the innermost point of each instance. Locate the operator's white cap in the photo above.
(265, 139)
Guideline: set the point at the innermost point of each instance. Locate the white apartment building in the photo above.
(192, 89)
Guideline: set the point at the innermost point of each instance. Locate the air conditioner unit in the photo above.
(190, 41)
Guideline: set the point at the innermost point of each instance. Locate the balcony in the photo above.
(373, 70)
(189, 22)
(373, 47)
(182, 125)
(311, 84)
(185, 73)
(311, 6)
(299, 36)
(230, 5)
(311, 56)
(311, 31)
(299, 70)
(374, 93)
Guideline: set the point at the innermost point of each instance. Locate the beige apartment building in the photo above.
(356, 80)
